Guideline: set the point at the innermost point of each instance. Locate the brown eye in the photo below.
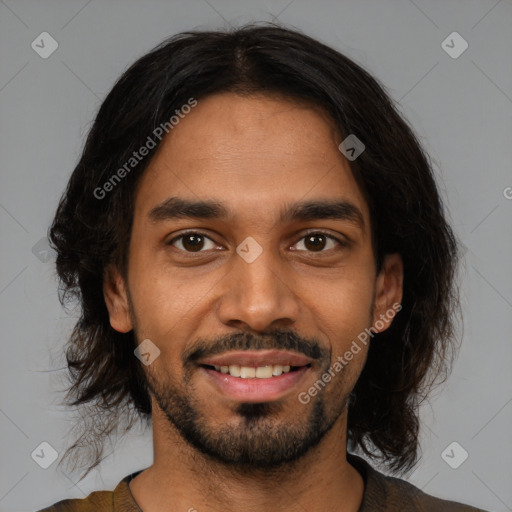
(191, 242)
(317, 242)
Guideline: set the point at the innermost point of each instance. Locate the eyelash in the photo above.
(341, 242)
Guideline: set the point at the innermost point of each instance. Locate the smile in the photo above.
(259, 372)
(246, 386)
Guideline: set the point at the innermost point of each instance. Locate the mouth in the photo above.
(256, 376)
(251, 372)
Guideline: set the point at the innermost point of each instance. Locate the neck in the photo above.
(181, 478)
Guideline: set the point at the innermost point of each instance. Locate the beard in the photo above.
(262, 436)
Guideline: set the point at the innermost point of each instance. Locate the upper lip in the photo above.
(256, 358)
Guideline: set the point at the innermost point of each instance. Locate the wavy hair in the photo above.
(394, 173)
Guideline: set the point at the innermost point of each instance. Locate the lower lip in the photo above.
(256, 390)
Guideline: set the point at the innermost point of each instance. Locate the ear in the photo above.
(388, 292)
(116, 299)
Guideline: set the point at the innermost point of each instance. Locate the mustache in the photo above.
(279, 340)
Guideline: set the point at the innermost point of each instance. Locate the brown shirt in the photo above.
(381, 494)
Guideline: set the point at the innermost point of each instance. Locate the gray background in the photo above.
(461, 108)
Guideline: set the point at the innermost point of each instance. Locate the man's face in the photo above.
(295, 289)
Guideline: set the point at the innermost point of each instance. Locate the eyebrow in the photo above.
(180, 208)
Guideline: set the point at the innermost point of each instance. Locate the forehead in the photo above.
(253, 153)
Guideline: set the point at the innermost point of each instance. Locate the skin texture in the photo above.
(257, 155)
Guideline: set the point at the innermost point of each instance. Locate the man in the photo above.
(265, 272)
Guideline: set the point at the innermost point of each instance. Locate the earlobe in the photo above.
(116, 299)
(388, 292)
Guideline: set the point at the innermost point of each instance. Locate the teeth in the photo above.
(246, 372)
(277, 369)
(250, 372)
(263, 372)
(234, 370)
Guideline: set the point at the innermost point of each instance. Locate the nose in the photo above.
(259, 295)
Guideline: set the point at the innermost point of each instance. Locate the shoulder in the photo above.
(385, 493)
(400, 492)
(100, 501)
(120, 499)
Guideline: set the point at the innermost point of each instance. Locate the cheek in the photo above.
(158, 298)
(344, 304)
(342, 310)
